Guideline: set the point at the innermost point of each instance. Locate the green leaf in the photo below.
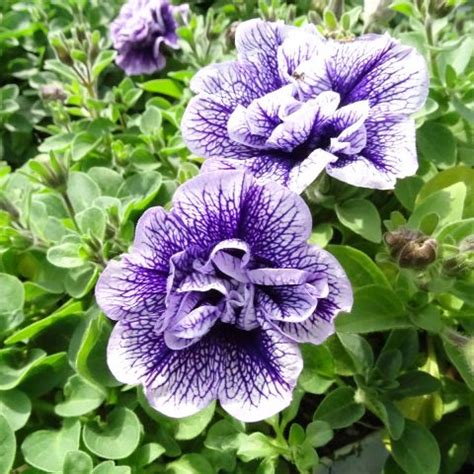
(46, 373)
(256, 446)
(388, 365)
(92, 221)
(15, 364)
(104, 58)
(318, 369)
(80, 398)
(150, 121)
(447, 204)
(407, 190)
(459, 361)
(69, 309)
(15, 407)
(440, 181)
(360, 268)
(109, 181)
(47, 449)
(7, 446)
(321, 235)
(164, 86)
(190, 464)
(454, 433)
(305, 457)
(91, 356)
(297, 435)
(376, 308)
(359, 351)
(116, 438)
(79, 281)
(415, 383)
(437, 144)
(192, 426)
(223, 436)
(267, 466)
(56, 142)
(339, 408)
(388, 413)
(428, 318)
(362, 217)
(146, 454)
(66, 255)
(12, 298)
(417, 451)
(81, 190)
(83, 144)
(319, 433)
(109, 467)
(77, 462)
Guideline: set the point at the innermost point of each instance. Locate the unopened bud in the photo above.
(63, 54)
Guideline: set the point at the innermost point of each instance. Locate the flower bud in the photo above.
(418, 254)
(411, 248)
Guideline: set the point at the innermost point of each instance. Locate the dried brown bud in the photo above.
(397, 239)
(411, 248)
(418, 253)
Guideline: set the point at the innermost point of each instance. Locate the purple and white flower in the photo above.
(138, 33)
(294, 104)
(214, 296)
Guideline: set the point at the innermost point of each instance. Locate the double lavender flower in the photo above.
(294, 104)
(214, 296)
(139, 32)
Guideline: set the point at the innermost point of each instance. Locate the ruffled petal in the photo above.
(290, 304)
(390, 153)
(252, 373)
(126, 288)
(320, 325)
(257, 42)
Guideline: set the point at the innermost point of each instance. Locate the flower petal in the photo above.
(257, 42)
(299, 46)
(274, 221)
(306, 171)
(253, 373)
(261, 371)
(320, 325)
(298, 126)
(125, 288)
(390, 153)
(373, 67)
(291, 304)
(348, 122)
(177, 383)
(210, 206)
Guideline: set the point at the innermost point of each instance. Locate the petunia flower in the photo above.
(139, 31)
(215, 295)
(294, 104)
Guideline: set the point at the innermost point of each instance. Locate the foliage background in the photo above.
(85, 150)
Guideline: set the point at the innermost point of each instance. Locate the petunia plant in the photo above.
(253, 256)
